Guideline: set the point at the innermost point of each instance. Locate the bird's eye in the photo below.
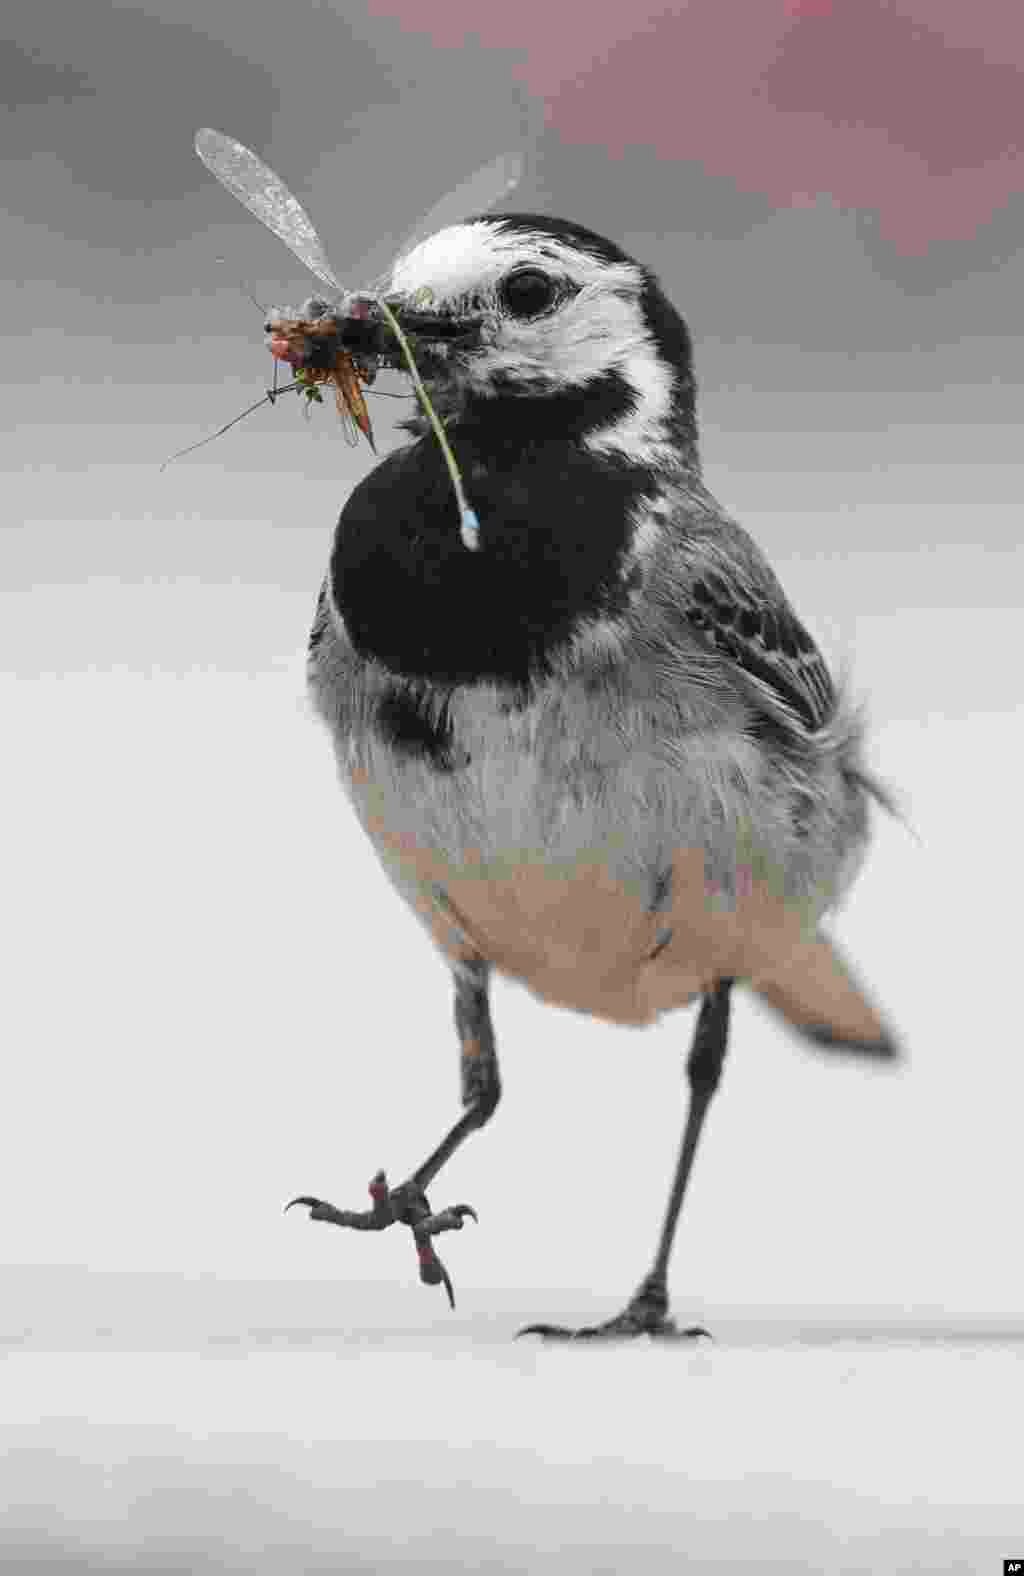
(527, 292)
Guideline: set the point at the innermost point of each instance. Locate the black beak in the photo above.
(366, 332)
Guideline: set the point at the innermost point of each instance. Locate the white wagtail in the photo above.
(599, 753)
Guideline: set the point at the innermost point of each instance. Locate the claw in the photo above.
(450, 1219)
(306, 1201)
(432, 1271)
(448, 1286)
(318, 1208)
(407, 1205)
(615, 1329)
(374, 1219)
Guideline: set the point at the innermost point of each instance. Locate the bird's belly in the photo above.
(577, 923)
(577, 937)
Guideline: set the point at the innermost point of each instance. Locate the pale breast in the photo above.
(622, 886)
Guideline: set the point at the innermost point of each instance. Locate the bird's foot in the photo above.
(645, 1314)
(405, 1205)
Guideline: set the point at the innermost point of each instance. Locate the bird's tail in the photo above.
(816, 992)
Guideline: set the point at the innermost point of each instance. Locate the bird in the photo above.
(593, 746)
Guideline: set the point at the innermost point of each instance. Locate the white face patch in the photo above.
(598, 328)
(468, 261)
(644, 434)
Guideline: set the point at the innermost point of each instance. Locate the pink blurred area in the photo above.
(907, 109)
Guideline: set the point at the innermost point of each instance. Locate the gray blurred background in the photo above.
(212, 1000)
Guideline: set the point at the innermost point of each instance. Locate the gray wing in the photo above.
(729, 594)
(265, 194)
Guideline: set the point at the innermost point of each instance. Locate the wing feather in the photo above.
(730, 595)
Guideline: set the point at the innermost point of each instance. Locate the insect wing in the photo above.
(478, 192)
(265, 195)
(349, 430)
(351, 401)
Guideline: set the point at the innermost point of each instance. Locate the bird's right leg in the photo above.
(407, 1204)
(647, 1311)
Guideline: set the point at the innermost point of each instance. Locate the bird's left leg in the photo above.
(647, 1311)
(407, 1204)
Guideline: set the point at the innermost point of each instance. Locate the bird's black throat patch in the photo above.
(555, 523)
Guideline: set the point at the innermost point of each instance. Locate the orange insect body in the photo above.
(348, 378)
(290, 340)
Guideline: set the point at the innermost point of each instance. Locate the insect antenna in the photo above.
(243, 286)
(268, 399)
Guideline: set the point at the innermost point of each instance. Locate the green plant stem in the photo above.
(470, 525)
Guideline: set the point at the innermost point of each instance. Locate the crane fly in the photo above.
(309, 341)
(310, 346)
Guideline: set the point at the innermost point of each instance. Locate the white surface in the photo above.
(184, 1437)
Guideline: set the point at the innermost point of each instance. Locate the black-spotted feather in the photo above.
(731, 596)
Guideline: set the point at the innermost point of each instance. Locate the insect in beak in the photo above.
(343, 345)
(315, 350)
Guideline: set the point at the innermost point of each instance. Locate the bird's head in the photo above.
(563, 377)
(545, 328)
